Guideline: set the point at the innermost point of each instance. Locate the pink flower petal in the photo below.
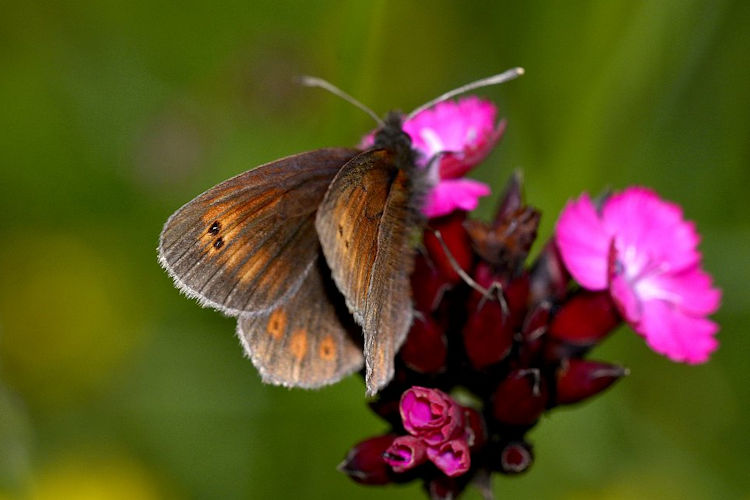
(691, 290)
(624, 296)
(677, 335)
(649, 228)
(452, 165)
(430, 414)
(584, 243)
(453, 457)
(406, 452)
(453, 194)
(452, 125)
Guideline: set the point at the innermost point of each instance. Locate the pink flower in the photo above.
(640, 248)
(450, 139)
(406, 452)
(430, 414)
(452, 457)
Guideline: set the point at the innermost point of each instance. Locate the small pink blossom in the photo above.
(406, 452)
(451, 138)
(641, 249)
(430, 414)
(452, 457)
(463, 132)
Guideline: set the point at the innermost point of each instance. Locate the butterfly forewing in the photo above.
(308, 341)
(247, 244)
(364, 224)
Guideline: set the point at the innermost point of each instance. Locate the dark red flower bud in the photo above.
(585, 318)
(521, 398)
(535, 324)
(549, 278)
(455, 238)
(516, 457)
(476, 429)
(386, 404)
(487, 334)
(425, 349)
(364, 463)
(444, 488)
(427, 284)
(516, 296)
(578, 379)
(514, 292)
(405, 452)
(533, 332)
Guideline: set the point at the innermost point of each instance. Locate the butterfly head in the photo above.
(392, 136)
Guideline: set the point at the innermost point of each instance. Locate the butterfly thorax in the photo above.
(392, 136)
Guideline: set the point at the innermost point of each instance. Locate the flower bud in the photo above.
(431, 415)
(535, 324)
(425, 349)
(452, 457)
(487, 334)
(520, 399)
(427, 284)
(364, 463)
(517, 296)
(476, 429)
(386, 404)
(406, 452)
(585, 319)
(516, 457)
(513, 291)
(533, 332)
(444, 488)
(455, 238)
(549, 278)
(579, 379)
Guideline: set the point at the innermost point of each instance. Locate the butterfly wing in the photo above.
(365, 225)
(308, 340)
(248, 243)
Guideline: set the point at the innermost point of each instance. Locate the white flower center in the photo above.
(432, 139)
(642, 271)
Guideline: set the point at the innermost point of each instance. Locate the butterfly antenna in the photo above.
(312, 81)
(484, 82)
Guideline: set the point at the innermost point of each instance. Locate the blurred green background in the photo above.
(113, 114)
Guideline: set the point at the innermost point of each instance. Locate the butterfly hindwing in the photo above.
(365, 225)
(308, 340)
(246, 244)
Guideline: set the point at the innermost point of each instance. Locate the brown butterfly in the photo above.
(285, 245)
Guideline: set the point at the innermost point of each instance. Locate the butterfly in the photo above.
(312, 253)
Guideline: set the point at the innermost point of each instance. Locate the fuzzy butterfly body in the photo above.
(251, 247)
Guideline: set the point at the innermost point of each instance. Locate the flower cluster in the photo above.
(496, 343)
(439, 429)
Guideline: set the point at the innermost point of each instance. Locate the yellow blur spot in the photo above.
(87, 478)
(67, 317)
